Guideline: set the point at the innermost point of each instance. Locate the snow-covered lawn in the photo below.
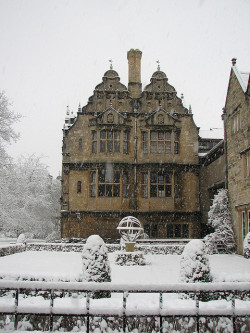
(66, 266)
(161, 269)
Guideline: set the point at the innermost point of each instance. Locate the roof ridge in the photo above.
(240, 79)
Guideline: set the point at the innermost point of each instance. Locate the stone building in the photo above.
(212, 178)
(236, 116)
(131, 152)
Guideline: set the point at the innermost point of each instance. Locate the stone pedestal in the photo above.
(130, 247)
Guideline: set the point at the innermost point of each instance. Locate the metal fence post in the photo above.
(161, 301)
(51, 310)
(197, 312)
(233, 316)
(87, 308)
(16, 305)
(124, 305)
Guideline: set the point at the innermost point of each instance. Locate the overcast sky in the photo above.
(54, 53)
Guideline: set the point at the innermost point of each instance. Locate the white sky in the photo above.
(54, 53)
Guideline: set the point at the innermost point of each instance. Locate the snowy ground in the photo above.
(162, 268)
(66, 266)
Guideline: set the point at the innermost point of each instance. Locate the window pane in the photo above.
(94, 135)
(117, 135)
(160, 179)
(144, 191)
(117, 177)
(161, 135)
(153, 135)
(101, 175)
(176, 147)
(170, 231)
(153, 147)
(145, 178)
(79, 187)
(110, 146)
(103, 135)
(168, 135)
(168, 178)
(145, 147)
(125, 147)
(168, 191)
(125, 136)
(153, 191)
(168, 147)
(109, 134)
(93, 177)
(94, 147)
(117, 146)
(101, 190)
(161, 147)
(102, 146)
(109, 190)
(177, 231)
(185, 231)
(154, 230)
(147, 229)
(116, 190)
(161, 191)
(153, 177)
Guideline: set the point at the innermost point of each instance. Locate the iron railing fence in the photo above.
(235, 305)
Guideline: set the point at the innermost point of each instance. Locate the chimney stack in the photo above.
(134, 72)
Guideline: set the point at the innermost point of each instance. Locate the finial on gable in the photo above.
(111, 63)
(234, 61)
(158, 67)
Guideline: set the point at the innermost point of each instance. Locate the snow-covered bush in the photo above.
(219, 218)
(21, 239)
(194, 263)
(96, 266)
(195, 267)
(130, 259)
(246, 246)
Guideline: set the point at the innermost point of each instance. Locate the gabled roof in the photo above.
(110, 108)
(160, 108)
(243, 78)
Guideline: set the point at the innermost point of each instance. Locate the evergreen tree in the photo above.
(96, 266)
(219, 218)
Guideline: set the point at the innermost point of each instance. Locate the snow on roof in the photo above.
(212, 133)
(243, 78)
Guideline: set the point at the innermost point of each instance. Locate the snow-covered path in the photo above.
(162, 268)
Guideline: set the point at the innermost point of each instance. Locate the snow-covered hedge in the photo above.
(76, 247)
(130, 259)
(6, 250)
(95, 264)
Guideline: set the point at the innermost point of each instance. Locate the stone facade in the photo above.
(131, 152)
(236, 118)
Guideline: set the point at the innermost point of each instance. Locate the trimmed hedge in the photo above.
(74, 247)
